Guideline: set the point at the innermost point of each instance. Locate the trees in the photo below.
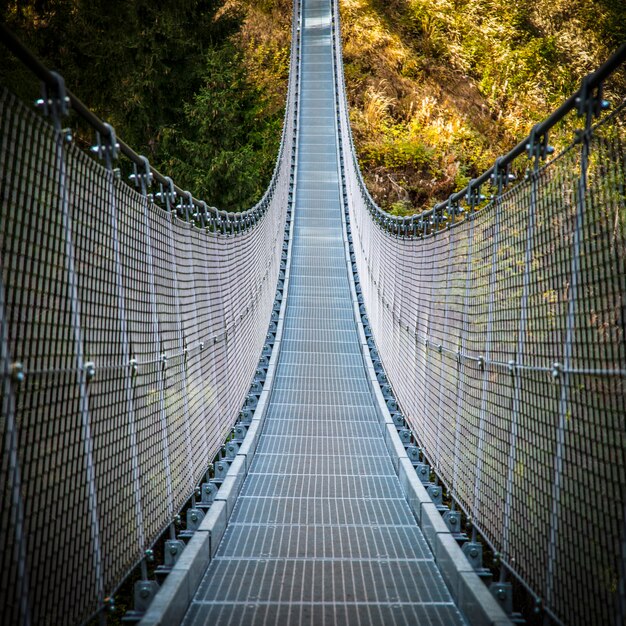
(170, 77)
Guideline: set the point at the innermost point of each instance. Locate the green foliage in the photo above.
(439, 88)
(131, 61)
(397, 154)
(175, 79)
(227, 147)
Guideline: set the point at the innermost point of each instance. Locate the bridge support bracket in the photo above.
(194, 519)
(143, 594)
(221, 469)
(423, 472)
(173, 549)
(232, 448)
(208, 491)
(503, 593)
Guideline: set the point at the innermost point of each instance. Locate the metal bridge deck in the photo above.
(321, 532)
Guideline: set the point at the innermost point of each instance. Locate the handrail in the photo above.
(56, 85)
(577, 100)
(587, 100)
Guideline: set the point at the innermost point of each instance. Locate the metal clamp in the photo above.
(590, 102)
(537, 147)
(54, 101)
(473, 197)
(501, 176)
(167, 196)
(107, 148)
(142, 179)
(186, 207)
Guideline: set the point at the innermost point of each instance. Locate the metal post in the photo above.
(182, 339)
(464, 329)
(499, 181)
(57, 109)
(587, 107)
(131, 371)
(439, 348)
(444, 335)
(157, 350)
(427, 357)
(12, 374)
(535, 151)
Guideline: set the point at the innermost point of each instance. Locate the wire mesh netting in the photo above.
(129, 340)
(321, 532)
(503, 338)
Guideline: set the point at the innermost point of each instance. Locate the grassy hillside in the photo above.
(439, 88)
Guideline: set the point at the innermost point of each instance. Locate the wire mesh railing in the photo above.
(131, 324)
(500, 324)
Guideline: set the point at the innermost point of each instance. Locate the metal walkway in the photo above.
(321, 532)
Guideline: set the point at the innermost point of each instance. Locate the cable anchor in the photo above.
(54, 101)
(107, 147)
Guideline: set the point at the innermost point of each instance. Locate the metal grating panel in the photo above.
(500, 323)
(321, 532)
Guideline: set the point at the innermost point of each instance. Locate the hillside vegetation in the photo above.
(439, 88)
(198, 86)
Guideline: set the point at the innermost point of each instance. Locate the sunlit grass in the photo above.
(460, 81)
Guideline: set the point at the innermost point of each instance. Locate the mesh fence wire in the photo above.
(129, 339)
(503, 338)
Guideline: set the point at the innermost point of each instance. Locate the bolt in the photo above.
(435, 493)
(17, 372)
(90, 370)
(452, 521)
(557, 369)
(511, 366)
(173, 550)
(501, 594)
(149, 555)
(194, 517)
(207, 488)
(144, 592)
(473, 553)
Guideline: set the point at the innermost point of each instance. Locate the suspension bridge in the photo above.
(332, 413)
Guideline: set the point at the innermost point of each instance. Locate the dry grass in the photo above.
(439, 88)
(265, 39)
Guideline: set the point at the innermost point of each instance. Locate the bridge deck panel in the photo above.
(321, 531)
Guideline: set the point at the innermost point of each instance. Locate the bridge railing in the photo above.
(500, 323)
(131, 324)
